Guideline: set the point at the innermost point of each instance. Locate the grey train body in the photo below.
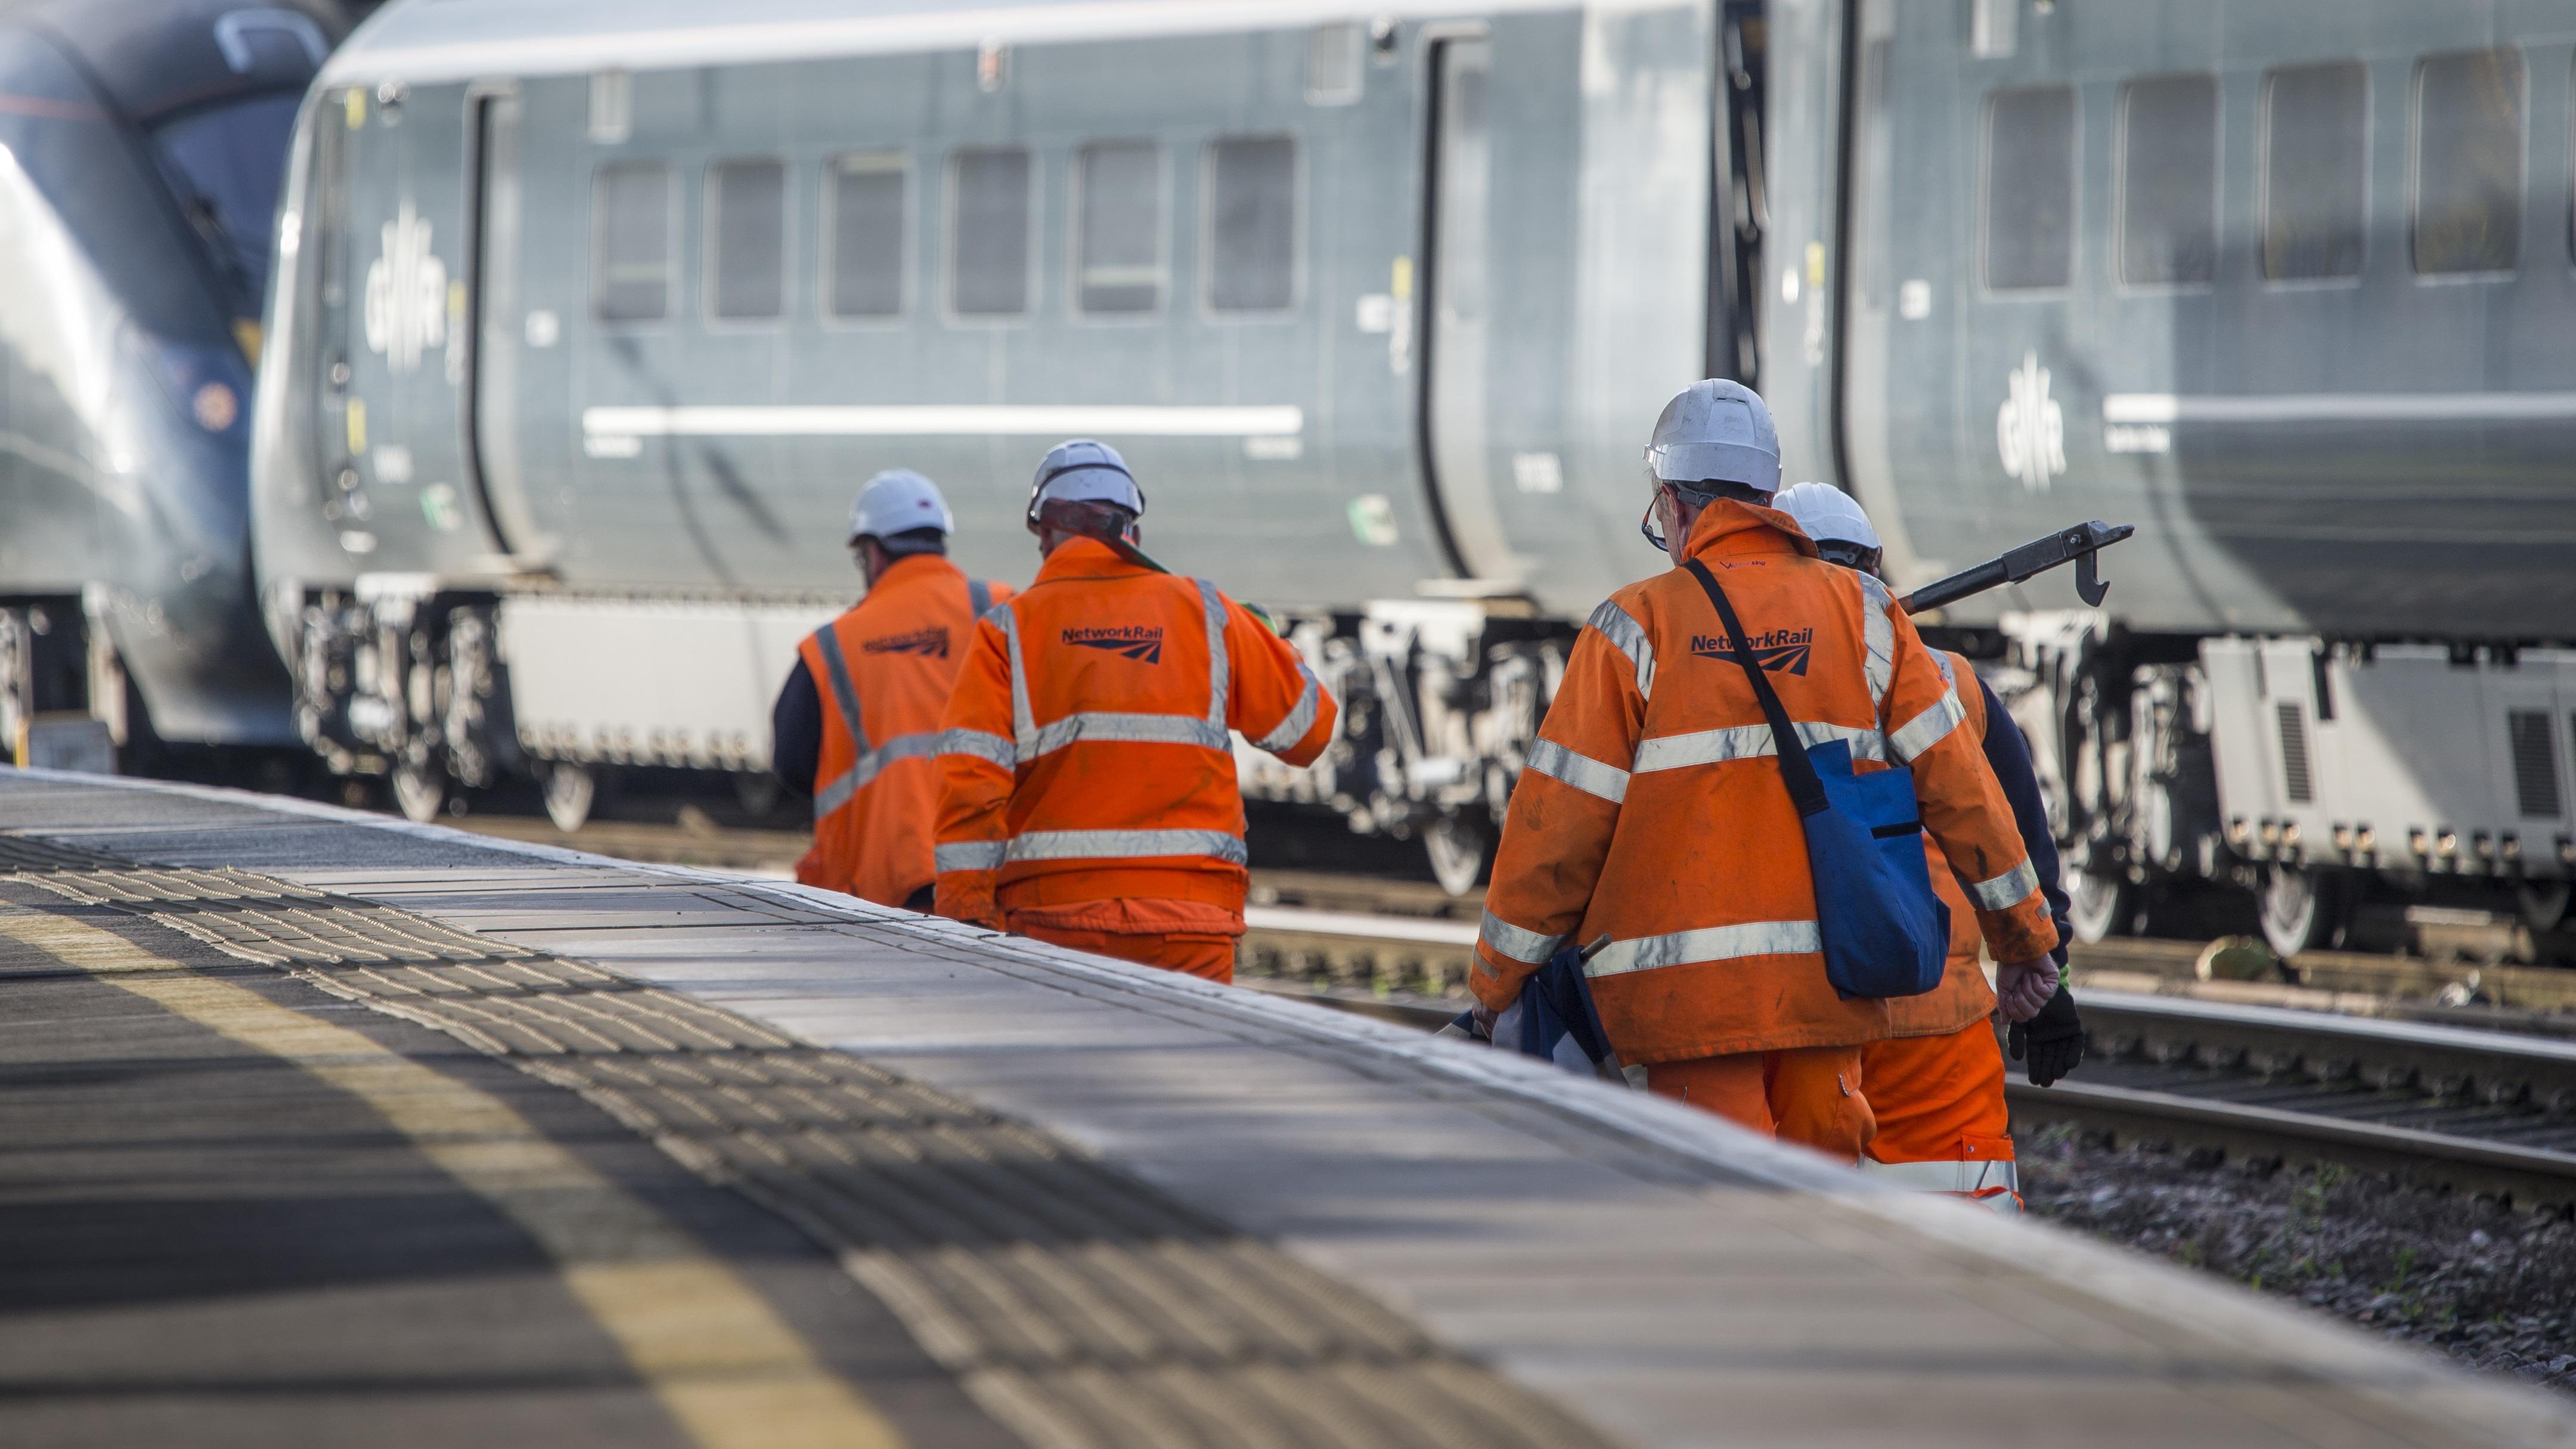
(600, 312)
(141, 145)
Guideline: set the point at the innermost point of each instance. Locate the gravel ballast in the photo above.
(2491, 1286)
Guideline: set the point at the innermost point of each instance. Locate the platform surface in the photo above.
(324, 1128)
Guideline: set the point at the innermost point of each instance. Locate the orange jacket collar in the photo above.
(1085, 558)
(903, 568)
(1727, 528)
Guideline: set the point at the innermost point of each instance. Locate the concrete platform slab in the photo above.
(1641, 1268)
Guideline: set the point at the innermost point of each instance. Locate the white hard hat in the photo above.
(1716, 431)
(898, 501)
(1827, 514)
(1083, 471)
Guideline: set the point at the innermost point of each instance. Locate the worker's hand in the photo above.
(2023, 987)
(1483, 1022)
(2053, 1040)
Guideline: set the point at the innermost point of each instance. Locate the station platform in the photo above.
(325, 1128)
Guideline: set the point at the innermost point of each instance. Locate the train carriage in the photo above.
(595, 315)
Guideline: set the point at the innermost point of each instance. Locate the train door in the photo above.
(1457, 294)
(498, 362)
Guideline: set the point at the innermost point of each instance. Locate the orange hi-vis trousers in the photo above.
(1942, 1123)
(1808, 1095)
(1190, 937)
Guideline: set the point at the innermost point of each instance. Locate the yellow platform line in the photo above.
(710, 1348)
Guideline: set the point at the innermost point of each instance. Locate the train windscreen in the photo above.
(226, 164)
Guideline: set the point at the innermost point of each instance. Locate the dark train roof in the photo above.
(156, 57)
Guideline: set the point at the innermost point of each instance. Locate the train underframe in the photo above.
(2297, 785)
(413, 684)
(2196, 785)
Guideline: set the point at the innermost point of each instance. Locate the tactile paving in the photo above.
(1076, 1304)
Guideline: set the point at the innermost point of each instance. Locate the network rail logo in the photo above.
(931, 643)
(1128, 641)
(1781, 650)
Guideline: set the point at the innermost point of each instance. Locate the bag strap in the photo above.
(1805, 790)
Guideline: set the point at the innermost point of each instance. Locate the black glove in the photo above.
(2052, 1040)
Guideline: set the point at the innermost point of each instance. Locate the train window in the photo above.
(2030, 188)
(2316, 163)
(747, 239)
(863, 210)
(988, 232)
(1252, 224)
(2468, 162)
(1118, 237)
(2169, 180)
(631, 221)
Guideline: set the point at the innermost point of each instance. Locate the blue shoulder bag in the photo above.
(1885, 932)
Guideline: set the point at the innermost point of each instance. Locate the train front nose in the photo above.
(180, 606)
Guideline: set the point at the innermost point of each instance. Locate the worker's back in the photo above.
(1655, 779)
(1088, 757)
(883, 671)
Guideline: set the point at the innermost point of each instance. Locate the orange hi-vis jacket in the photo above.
(1653, 810)
(1086, 754)
(883, 671)
(1964, 996)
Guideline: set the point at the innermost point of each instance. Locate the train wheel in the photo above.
(2544, 903)
(756, 791)
(1457, 851)
(570, 792)
(420, 789)
(2303, 908)
(2099, 906)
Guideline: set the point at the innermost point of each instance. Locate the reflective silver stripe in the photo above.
(1024, 724)
(1629, 637)
(844, 692)
(1709, 943)
(836, 794)
(979, 598)
(854, 779)
(967, 855)
(1301, 716)
(1150, 729)
(2007, 890)
(1214, 603)
(1524, 946)
(1746, 742)
(1966, 1176)
(1878, 635)
(979, 744)
(1124, 845)
(1941, 661)
(1583, 772)
(1928, 728)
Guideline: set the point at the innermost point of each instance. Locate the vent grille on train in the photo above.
(2295, 780)
(2535, 763)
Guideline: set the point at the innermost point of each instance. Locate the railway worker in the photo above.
(1936, 1084)
(1654, 812)
(1088, 781)
(856, 726)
